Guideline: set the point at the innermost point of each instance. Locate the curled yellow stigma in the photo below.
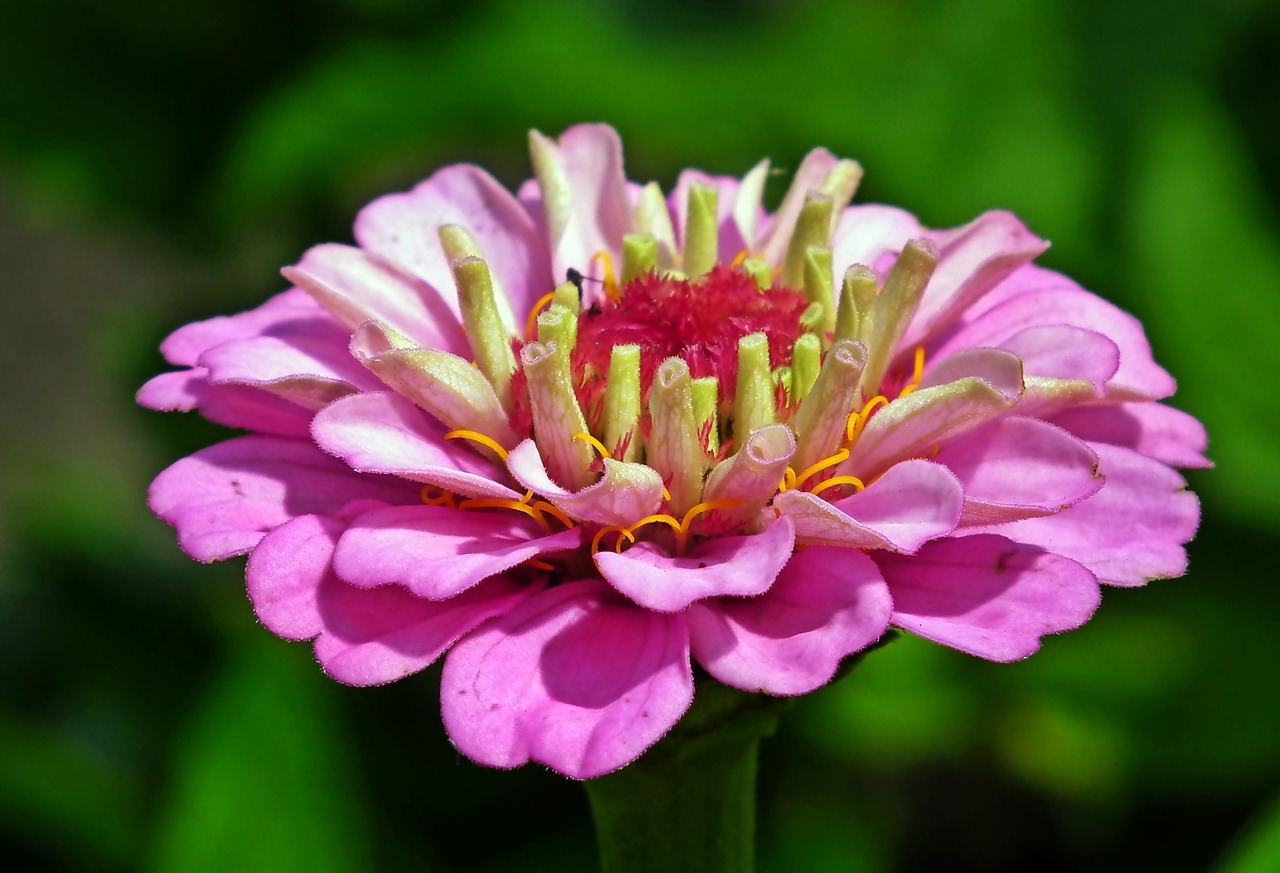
(531, 323)
(473, 436)
(839, 457)
(543, 507)
(535, 564)
(917, 374)
(623, 534)
(499, 503)
(738, 259)
(788, 480)
(838, 480)
(433, 495)
(681, 527)
(605, 260)
(858, 420)
(594, 443)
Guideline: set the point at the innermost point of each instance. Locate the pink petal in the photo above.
(362, 637)
(741, 566)
(1017, 468)
(404, 228)
(1060, 351)
(236, 406)
(224, 498)
(971, 261)
(437, 552)
(1130, 532)
(574, 677)
(865, 234)
(988, 596)
(825, 605)
(357, 286)
(184, 346)
(913, 502)
(382, 432)
(1152, 429)
(625, 494)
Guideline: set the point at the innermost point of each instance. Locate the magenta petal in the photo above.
(185, 345)
(1130, 532)
(382, 432)
(574, 677)
(363, 637)
(224, 498)
(741, 566)
(238, 406)
(913, 502)
(1152, 429)
(1017, 468)
(988, 596)
(825, 605)
(437, 552)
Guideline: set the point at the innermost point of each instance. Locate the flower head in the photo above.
(579, 439)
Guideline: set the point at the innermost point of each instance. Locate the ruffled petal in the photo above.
(988, 596)
(1130, 532)
(356, 286)
(382, 432)
(223, 499)
(437, 552)
(238, 406)
(1018, 468)
(741, 566)
(575, 677)
(1160, 432)
(362, 637)
(825, 605)
(625, 494)
(913, 502)
(405, 228)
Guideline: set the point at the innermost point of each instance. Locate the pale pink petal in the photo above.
(1129, 533)
(1152, 429)
(1017, 468)
(382, 432)
(999, 368)
(730, 238)
(913, 502)
(809, 176)
(236, 406)
(1045, 298)
(825, 605)
(437, 552)
(741, 566)
(404, 228)
(224, 498)
(1060, 351)
(625, 494)
(185, 345)
(866, 233)
(356, 286)
(362, 637)
(971, 261)
(575, 678)
(988, 596)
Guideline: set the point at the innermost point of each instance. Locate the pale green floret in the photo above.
(558, 325)
(857, 294)
(568, 296)
(753, 401)
(653, 218)
(457, 243)
(556, 415)
(840, 185)
(818, 286)
(894, 308)
(813, 228)
(701, 232)
(806, 360)
(673, 448)
(758, 269)
(489, 339)
(553, 184)
(820, 421)
(639, 256)
(706, 396)
(622, 403)
(750, 478)
(811, 318)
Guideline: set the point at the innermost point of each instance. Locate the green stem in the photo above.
(689, 803)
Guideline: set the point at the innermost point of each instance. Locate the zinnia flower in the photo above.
(748, 441)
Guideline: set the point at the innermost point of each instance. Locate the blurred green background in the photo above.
(159, 162)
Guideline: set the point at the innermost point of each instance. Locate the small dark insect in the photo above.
(574, 278)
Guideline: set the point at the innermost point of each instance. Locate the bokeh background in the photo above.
(160, 161)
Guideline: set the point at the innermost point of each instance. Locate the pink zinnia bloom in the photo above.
(751, 441)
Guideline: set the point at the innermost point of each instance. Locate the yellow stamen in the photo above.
(480, 438)
(839, 457)
(738, 258)
(538, 565)
(543, 506)
(858, 420)
(610, 281)
(433, 495)
(666, 495)
(498, 503)
(838, 480)
(622, 532)
(594, 443)
(917, 374)
(531, 323)
(656, 519)
(788, 479)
